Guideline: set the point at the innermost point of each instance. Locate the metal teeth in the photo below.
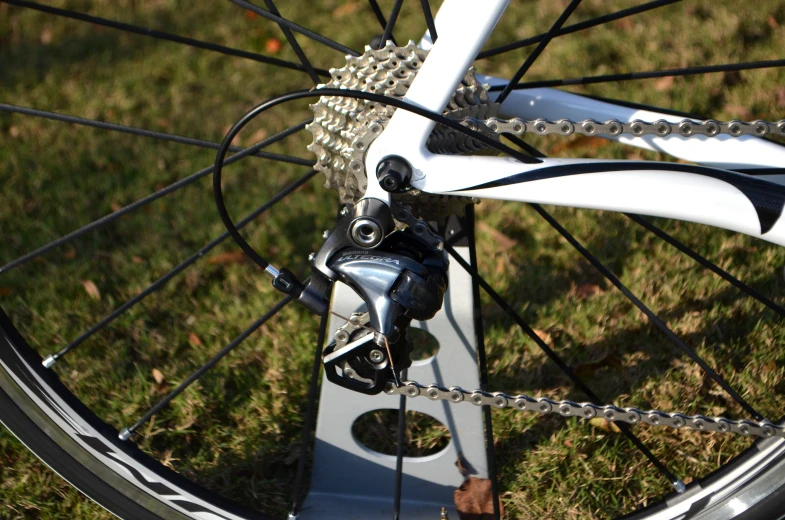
(340, 122)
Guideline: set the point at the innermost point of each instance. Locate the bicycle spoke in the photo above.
(594, 22)
(293, 42)
(161, 136)
(607, 78)
(648, 312)
(309, 413)
(531, 58)
(707, 263)
(182, 266)
(377, 11)
(399, 452)
(490, 447)
(428, 14)
(160, 35)
(295, 27)
(126, 433)
(388, 29)
(106, 219)
(677, 484)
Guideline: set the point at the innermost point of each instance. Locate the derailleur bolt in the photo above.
(376, 356)
(394, 173)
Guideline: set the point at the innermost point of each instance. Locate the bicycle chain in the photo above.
(611, 413)
(636, 128)
(565, 408)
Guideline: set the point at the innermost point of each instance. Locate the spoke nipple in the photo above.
(444, 514)
(49, 361)
(679, 486)
(311, 257)
(125, 434)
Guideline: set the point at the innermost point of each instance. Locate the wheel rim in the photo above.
(397, 4)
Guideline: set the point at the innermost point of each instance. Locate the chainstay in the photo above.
(611, 413)
(636, 128)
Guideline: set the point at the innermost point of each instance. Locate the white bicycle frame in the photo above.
(708, 194)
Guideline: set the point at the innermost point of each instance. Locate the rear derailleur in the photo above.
(401, 275)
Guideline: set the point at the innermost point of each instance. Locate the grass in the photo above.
(236, 430)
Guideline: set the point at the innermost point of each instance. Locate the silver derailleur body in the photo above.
(397, 265)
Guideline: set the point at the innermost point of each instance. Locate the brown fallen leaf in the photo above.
(345, 9)
(503, 240)
(663, 84)
(250, 15)
(91, 289)
(273, 45)
(229, 257)
(624, 24)
(46, 36)
(13, 131)
(158, 376)
(255, 137)
(772, 22)
(568, 443)
(70, 253)
(474, 500)
(137, 259)
(737, 111)
(603, 424)
(780, 94)
(586, 290)
(194, 340)
(115, 206)
(547, 338)
(583, 141)
(5, 291)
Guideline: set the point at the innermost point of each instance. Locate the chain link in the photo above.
(636, 128)
(611, 413)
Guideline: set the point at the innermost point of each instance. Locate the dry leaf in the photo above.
(13, 131)
(158, 376)
(602, 424)
(91, 289)
(46, 36)
(664, 83)
(229, 257)
(583, 141)
(586, 290)
(70, 253)
(772, 22)
(503, 240)
(115, 206)
(544, 336)
(345, 9)
(624, 24)
(737, 111)
(780, 93)
(257, 136)
(474, 499)
(137, 259)
(250, 15)
(194, 340)
(273, 45)
(568, 443)
(5, 291)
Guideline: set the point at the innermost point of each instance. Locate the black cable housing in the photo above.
(303, 94)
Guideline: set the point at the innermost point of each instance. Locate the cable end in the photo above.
(125, 434)
(49, 361)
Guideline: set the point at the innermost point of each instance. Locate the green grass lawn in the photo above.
(237, 430)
